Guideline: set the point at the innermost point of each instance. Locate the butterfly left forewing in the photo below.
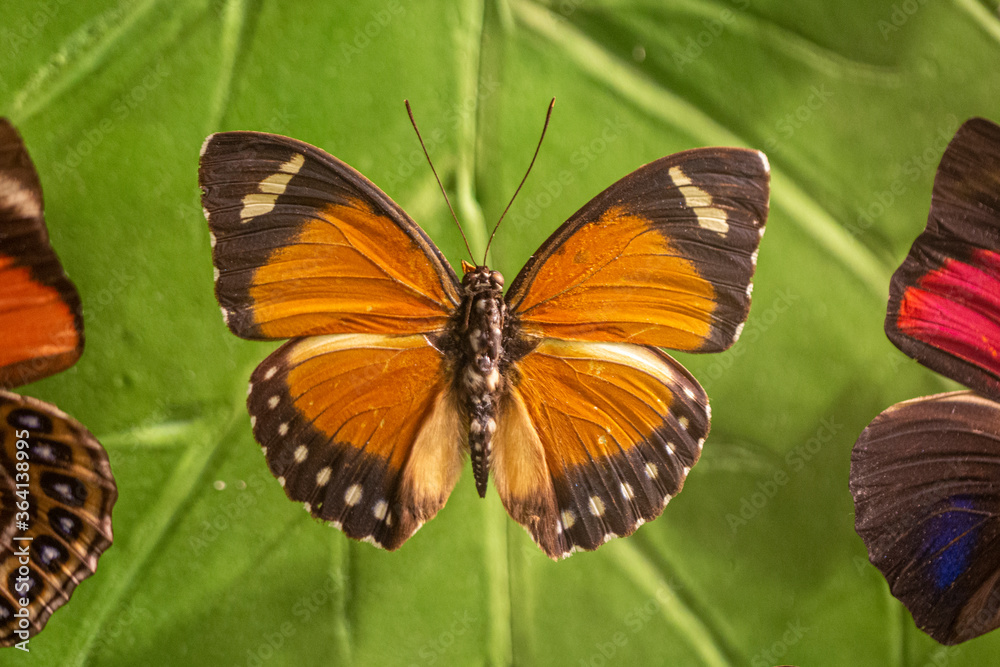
(303, 244)
(41, 326)
(924, 475)
(663, 257)
(55, 464)
(594, 439)
(362, 428)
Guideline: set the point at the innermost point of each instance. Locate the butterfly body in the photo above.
(397, 370)
(480, 333)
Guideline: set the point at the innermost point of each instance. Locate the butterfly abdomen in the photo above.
(479, 332)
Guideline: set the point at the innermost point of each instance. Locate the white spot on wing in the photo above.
(596, 506)
(380, 510)
(268, 190)
(273, 401)
(353, 495)
(204, 145)
(627, 490)
(323, 476)
(283, 429)
(301, 453)
(270, 372)
(651, 470)
(709, 217)
(739, 331)
(568, 519)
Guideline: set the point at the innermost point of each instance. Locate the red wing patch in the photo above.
(944, 308)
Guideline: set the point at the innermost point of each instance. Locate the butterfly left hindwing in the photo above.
(396, 370)
(56, 487)
(362, 428)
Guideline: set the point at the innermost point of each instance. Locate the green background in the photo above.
(756, 562)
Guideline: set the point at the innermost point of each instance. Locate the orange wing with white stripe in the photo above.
(663, 257)
(305, 245)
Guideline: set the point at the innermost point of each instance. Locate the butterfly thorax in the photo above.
(480, 326)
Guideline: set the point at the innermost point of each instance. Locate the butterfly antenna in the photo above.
(548, 115)
(440, 185)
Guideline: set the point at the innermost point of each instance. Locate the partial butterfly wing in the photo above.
(598, 433)
(355, 414)
(41, 326)
(594, 439)
(362, 429)
(663, 257)
(51, 465)
(305, 245)
(944, 300)
(924, 476)
(56, 487)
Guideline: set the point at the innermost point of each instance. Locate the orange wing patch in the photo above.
(37, 327)
(305, 245)
(362, 429)
(663, 257)
(41, 325)
(619, 278)
(611, 431)
(347, 271)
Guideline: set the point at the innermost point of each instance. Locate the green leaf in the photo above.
(756, 562)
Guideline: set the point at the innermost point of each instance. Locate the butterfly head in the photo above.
(477, 279)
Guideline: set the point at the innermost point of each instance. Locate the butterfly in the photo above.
(925, 474)
(397, 368)
(56, 486)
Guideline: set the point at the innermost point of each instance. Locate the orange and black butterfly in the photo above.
(925, 474)
(397, 368)
(56, 487)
